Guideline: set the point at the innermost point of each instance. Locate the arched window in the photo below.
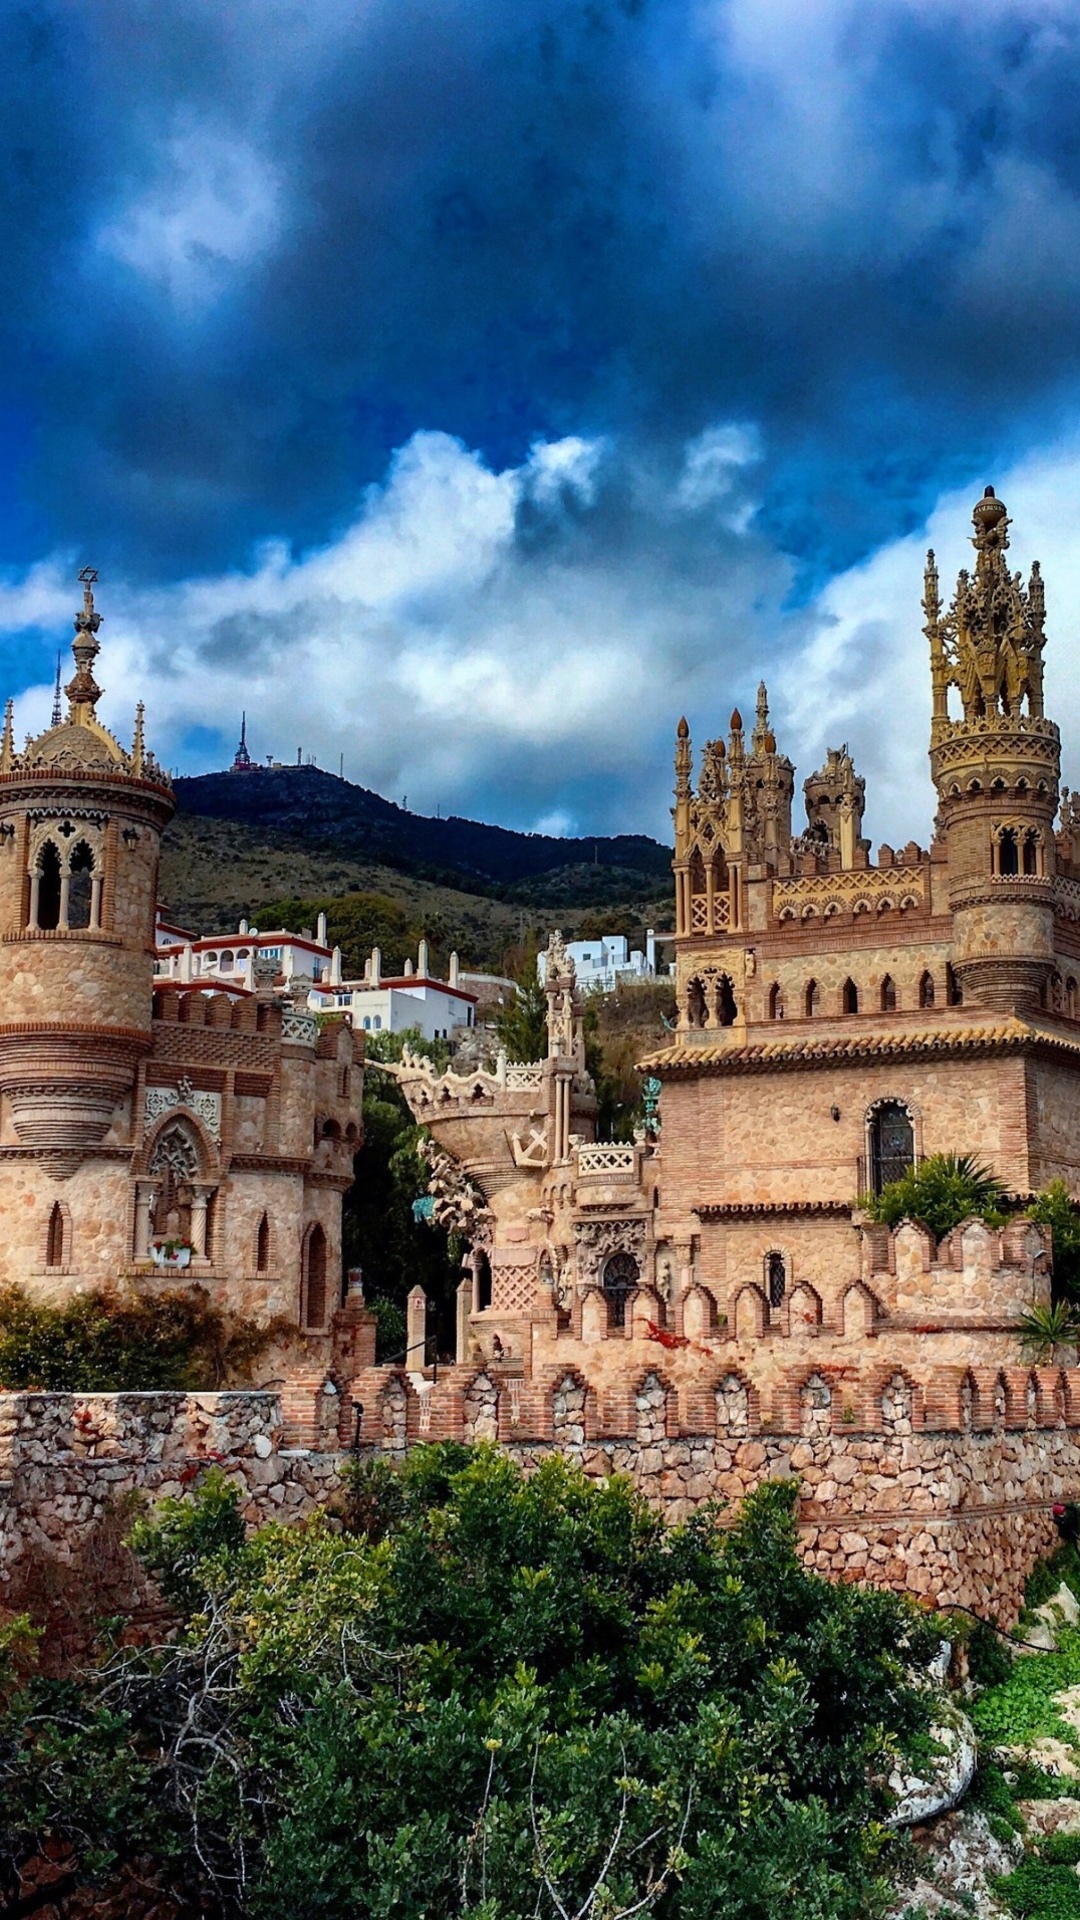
(47, 880)
(315, 1279)
(367, 1022)
(726, 1009)
(888, 994)
(892, 1143)
(482, 1271)
(80, 887)
(926, 990)
(776, 1002)
(262, 1246)
(813, 999)
(619, 1282)
(1008, 852)
(775, 1279)
(1031, 852)
(377, 1023)
(954, 992)
(697, 1010)
(54, 1248)
(850, 997)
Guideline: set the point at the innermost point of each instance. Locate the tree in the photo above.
(521, 1024)
(380, 1232)
(492, 1695)
(1054, 1208)
(941, 1193)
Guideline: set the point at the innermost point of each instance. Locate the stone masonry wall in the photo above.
(953, 1517)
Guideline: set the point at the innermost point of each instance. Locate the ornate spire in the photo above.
(82, 689)
(7, 745)
(989, 644)
(138, 745)
(57, 709)
(683, 761)
(761, 722)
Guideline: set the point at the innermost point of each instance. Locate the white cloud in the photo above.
(540, 684)
(213, 208)
(863, 673)
(431, 646)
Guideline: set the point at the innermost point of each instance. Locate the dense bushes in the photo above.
(489, 1697)
(100, 1343)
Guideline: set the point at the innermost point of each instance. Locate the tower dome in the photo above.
(81, 820)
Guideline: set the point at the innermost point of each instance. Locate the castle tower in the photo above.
(996, 769)
(80, 831)
(739, 817)
(835, 798)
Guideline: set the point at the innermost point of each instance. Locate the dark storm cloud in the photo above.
(250, 250)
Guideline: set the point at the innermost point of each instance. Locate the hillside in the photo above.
(328, 813)
(242, 844)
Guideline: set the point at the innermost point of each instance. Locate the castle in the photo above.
(714, 1290)
(700, 1307)
(150, 1133)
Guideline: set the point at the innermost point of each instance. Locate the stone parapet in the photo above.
(954, 1513)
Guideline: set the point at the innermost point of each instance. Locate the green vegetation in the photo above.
(380, 1233)
(491, 1696)
(102, 1343)
(521, 1024)
(941, 1193)
(1055, 1209)
(1046, 1333)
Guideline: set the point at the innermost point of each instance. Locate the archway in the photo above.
(314, 1279)
(620, 1279)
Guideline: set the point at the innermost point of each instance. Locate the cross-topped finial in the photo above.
(83, 691)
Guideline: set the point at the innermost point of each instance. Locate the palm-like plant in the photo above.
(941, 1192)
(1046, 1331)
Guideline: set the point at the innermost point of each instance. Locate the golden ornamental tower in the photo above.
(996, 767)
(80, 831)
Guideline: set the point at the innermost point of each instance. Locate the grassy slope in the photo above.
(214, 871)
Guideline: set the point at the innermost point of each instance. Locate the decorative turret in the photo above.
(996, 768)
(835, 798)
(740, 815)
(80, 831)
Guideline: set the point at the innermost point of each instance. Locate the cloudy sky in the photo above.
(470, 388)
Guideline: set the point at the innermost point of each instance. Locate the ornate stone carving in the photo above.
(207, 1106)
(459, 1206)
(596, 1240)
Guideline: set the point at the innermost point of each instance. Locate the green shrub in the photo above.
(1054, 1208)
(940, 1193)
(1037, 1891)
(101, 1343)
(989, 1659)
(504, 1695)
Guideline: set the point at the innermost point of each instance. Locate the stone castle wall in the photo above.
(954, 1514)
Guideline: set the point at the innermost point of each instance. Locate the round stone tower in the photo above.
(80, 832)
(996, 768)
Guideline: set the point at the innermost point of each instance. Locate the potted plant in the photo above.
(171, 1253)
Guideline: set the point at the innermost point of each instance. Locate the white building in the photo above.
(229, 959)
(600, 964)
(377, 1004)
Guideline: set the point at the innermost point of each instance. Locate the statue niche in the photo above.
(174, 1163)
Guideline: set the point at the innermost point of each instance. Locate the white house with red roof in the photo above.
(413, 1000)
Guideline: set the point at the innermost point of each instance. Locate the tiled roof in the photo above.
(1004, 1035)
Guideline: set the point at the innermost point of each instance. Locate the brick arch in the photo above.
(859, 1310)
(749, 1312)
(578, 1411)
(653, 1402)
(699, 1312)
(803, 1310)
(206, 1149)
(481, 1407)
(816, 1399)
(737, 1405)
(900, 1401)
(57, 1250)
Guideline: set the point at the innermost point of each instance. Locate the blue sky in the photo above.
(470, 389)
